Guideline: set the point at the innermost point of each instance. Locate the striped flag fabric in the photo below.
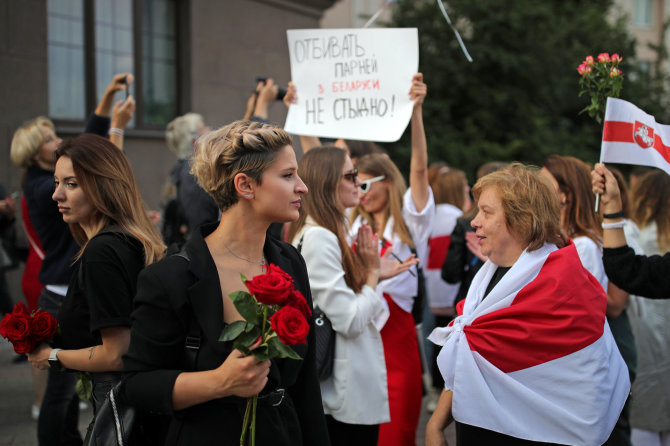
(631, 136)
(535, 359)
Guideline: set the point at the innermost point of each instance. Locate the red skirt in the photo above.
(403, 370)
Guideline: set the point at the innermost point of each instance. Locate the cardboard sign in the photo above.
(352, 83)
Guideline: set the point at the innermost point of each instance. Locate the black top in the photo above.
(497, 275)
(640, 275)
(461, 264)
(197, 205)
(172, 295)
(54, 234)
(467, 435)
(102, 289)
(57, 242)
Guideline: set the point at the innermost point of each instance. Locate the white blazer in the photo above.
(356, 392)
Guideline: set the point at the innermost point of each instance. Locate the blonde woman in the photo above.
(250, 170)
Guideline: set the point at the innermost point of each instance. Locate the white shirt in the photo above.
(356, 392)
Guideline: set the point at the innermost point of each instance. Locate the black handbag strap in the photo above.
(192, 343)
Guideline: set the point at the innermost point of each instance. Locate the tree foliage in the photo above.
(518, 100)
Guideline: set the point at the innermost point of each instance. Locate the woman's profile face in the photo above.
(376, 199)
(495, 239)
(278, 196)
(72, 201)
(45, 156)
(347, 191)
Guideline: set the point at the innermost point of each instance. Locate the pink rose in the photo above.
(603, 57)
(616, 58)
(614, 72)
(584, 69)
(589, 60)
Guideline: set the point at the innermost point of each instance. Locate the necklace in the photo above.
(260, 262)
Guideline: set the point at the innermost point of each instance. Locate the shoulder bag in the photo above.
(325, 339)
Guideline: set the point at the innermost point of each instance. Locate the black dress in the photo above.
(174, 293)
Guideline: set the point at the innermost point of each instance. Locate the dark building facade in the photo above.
(57, 56)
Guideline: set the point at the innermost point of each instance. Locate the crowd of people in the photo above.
(542, 313)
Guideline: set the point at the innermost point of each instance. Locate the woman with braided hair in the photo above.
(250, 170)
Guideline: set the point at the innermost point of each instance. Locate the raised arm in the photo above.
(120, 82)
(418, 171)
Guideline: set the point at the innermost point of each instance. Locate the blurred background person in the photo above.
(452, 198)
(650, 407)
(571, 179)
(193, 203)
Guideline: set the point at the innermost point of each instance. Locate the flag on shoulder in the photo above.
(535, 359)
(631, 136)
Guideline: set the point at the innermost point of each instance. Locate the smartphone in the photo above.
(125, 81)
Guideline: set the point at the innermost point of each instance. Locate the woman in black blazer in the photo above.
(176, 363)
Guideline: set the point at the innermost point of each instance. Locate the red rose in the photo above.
(20, 308)
(298, 301)
(272, 288)
(25, 345)
(17, 326)
(290, 325)
(43, 326)
(4, 324)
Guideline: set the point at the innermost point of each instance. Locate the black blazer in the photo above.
(173, 292)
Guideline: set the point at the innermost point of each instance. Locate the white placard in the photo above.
(352, 83)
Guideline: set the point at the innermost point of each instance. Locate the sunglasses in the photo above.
(365, 185)
(351, 176)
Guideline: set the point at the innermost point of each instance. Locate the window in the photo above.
(90, 41)
(643, 13)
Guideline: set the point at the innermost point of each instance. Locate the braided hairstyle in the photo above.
(239, 147)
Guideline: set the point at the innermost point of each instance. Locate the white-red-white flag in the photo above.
(535, 359)
(631, 136)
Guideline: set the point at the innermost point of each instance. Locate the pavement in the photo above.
(17, 428)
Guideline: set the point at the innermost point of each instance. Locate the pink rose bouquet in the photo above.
(600, 78)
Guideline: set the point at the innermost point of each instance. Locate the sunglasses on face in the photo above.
(365, 185)
(351, 176)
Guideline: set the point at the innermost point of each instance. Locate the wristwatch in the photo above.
(54, 363)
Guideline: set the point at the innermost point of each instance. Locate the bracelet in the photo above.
(115, 131)
(614, 215)
(615, 225)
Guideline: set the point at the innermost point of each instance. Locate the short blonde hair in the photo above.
(530, 203)
(181, 132)
(240, 147)
(27, 141)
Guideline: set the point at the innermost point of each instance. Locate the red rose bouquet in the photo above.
(275, 317)
(25, 330)
(600, 78)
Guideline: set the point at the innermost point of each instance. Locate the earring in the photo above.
(248, 196)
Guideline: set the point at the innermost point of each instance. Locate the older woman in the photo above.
(530, 358)
(250, 170)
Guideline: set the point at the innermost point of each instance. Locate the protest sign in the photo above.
(352, 83)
